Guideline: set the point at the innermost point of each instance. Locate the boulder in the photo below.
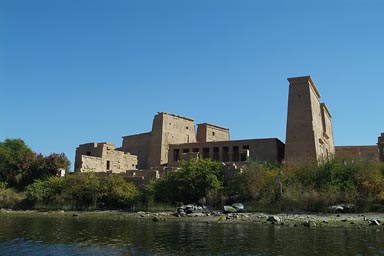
(273, 219)
(238, 206)
(229, 209)
(341, 208)
(374, 222)
(190, 208)
(309, 224)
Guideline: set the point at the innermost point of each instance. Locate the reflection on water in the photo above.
(44, 235)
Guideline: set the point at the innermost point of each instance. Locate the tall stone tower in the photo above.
(309, 135)
(380, 144)
(168, 129)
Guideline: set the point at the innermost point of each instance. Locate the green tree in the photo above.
(115, 192)
(82, 190)
(20, 166)
(16, 159)
(257, 181)
(191, 181)
(48, 192)
(47, 166)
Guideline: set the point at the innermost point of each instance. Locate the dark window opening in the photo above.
(88, 153)
(205, 152)
(186, 150)
(196, 150)
(235, 157)
(244, 155)
(108, 165)
(176, 156)
(216, 155)
(225, 154)
(213, 133)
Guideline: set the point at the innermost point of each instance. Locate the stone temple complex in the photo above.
(309, 137)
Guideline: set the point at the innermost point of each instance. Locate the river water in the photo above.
(44, 235)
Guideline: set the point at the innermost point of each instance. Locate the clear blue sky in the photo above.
(73, 72)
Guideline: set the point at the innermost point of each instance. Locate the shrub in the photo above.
(10, 199)
(115, 192)
(257, 181)
(81, 191)
(193, 180)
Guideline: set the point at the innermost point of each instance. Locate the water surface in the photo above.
(45, 235)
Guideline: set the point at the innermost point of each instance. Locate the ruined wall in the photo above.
(209, 132)
(118, 161)
(370, 153)
(102, 157)
(91, 164)
(168, 129)
(88, 149)
(309, 134)
(138, 145)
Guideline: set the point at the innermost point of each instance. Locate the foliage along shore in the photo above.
(28, 181)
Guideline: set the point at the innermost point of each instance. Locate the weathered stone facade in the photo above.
(171, 137)
(138, 145)
(209, 132)
(168, 129)
(370, 153)
(103, 157)
(309, 135)
(152, 148)
(171, 133)
(271, 150)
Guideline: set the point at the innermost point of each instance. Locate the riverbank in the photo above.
(310, 220)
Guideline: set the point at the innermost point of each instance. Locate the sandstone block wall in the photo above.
(102, 157)
(91, 164)
(209, 132)
(229, 151)
(370, 153)
(327, 132)
(168, 129)
(138, 145)
(88, 149)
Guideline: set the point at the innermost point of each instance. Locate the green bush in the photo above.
(115, 192)
(82, 191)
(10, 199)
(310, 187)
(47, 194)
(257, 181)
(193, 180)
